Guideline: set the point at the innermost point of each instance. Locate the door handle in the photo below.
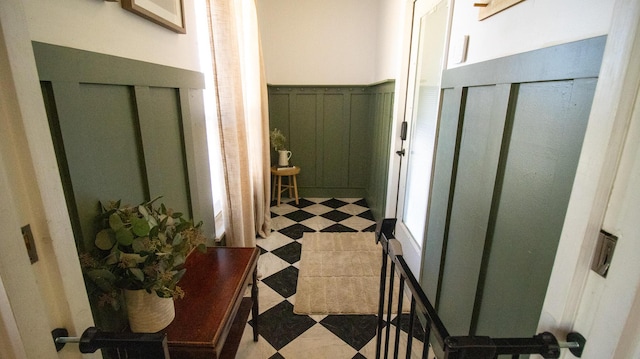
(400, 153)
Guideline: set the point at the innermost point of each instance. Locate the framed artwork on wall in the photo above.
(492, 7)
(167, 13)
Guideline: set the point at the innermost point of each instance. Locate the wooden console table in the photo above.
(211, 318)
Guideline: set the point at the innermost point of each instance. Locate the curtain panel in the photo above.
(241, 91)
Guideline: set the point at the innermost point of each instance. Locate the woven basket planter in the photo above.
(147, 312)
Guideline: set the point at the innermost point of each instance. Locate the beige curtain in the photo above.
(241, 92)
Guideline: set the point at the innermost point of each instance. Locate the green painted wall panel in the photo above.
(279, 116)
(162, 140)
(443, 173)
(381, 111)
(119, 129)
(361, 143)
(339, 136)
(335, 140)
(485, 110)
(303, 127)
(99, 131)
(503, 220)
(59, 63)
(549, 124)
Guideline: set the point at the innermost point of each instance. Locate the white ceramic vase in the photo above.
(147, 312)
(283, 158)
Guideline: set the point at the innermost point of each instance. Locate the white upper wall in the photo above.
(360, 41)
(529, 25)
(319, 41)
(105, 27)
(390, 26)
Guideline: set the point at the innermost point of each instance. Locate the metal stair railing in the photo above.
(453, 347)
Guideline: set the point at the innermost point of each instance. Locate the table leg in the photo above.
(254, 310)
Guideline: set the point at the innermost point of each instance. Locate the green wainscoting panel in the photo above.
(163, 146)
(336, 136)
(199, 180)
(381, 112)
(339, 136)
(509, 139)
(103, 152)
(361, 140)
(447, 148)
(279, 116)
(303, 138)
(533, 199)
(124, 130)
(476, 171)
(59, 63)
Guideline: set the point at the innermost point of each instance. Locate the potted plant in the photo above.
(141, 250)
(278, 141)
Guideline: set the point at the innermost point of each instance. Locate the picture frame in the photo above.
(492, 7)
(167, 13)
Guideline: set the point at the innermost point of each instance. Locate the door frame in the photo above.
(30, 321)
(608, 122)
(404, 97)
(597, 168)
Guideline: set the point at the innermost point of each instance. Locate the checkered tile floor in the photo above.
(284, 334)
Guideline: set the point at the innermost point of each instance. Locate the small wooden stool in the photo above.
(292, 184)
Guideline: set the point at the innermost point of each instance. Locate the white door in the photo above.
(421, 115)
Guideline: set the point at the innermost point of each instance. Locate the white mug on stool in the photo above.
(283, 158)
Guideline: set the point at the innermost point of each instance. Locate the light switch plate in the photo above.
(460, 49)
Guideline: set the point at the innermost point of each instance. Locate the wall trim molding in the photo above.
(579, 59)
(74, 65)
(311, 86)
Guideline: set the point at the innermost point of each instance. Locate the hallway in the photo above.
(284, 334)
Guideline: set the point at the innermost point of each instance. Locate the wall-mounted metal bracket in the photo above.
(604, 253)
(578, 342)
(59, 333)
(150, 345)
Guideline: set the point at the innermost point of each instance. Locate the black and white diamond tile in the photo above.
(285, 335)
(299, 215)
(296, 231)
(336, 216)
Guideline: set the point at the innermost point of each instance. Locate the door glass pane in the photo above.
(424, 120)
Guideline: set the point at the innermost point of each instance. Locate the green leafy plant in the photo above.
(277, 140)
(140, 247)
